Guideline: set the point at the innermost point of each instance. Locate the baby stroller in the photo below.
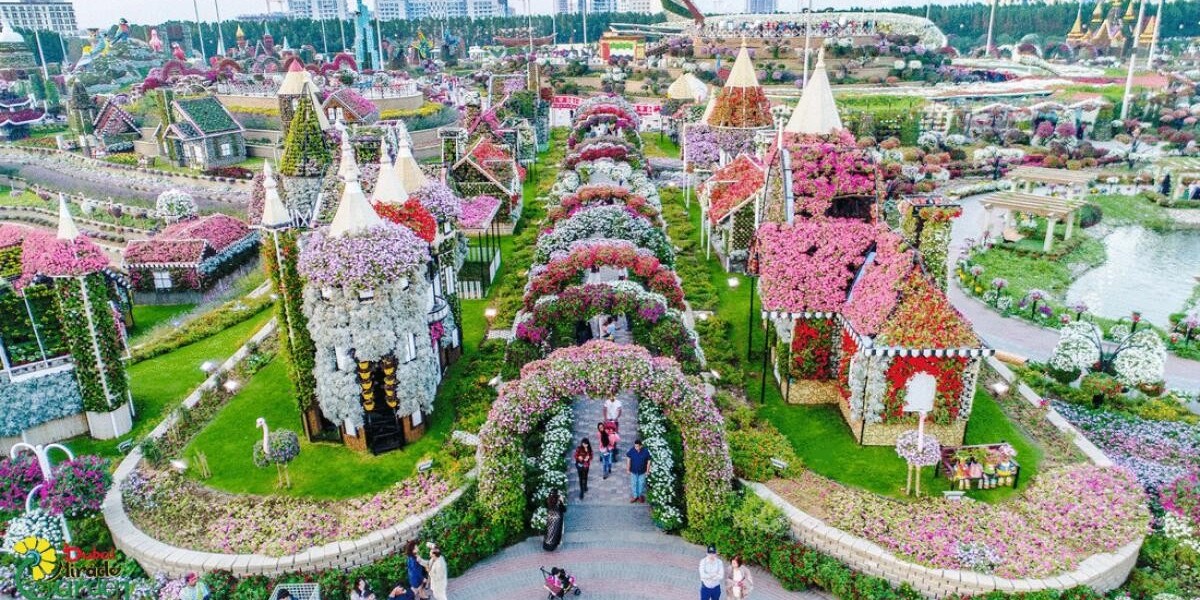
(558, 583)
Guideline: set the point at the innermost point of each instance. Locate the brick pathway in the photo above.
(611, 546)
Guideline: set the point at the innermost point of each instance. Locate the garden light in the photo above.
(734, 282)
(779, 463)
(179, 465)
(208, 366)
(1000, 388)
(231, 386)
(490, 313)
(425, 465)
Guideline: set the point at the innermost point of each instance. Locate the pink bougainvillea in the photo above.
(809, 265)
(826, 168)
(731, 185)
(478, 212)
(875, 295)
(596, 195)
(44, 254)
(217, 229)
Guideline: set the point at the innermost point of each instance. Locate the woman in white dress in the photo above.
(739, 582)
(436, 566)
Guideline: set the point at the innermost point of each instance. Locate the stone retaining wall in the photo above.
(1102, 572)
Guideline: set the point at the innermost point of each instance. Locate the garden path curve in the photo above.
(612, 547)
(1019, 337)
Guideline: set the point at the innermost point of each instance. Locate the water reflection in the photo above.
(1147, 271)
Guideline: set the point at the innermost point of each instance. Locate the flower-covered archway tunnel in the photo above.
(566, 270)
(601, 369)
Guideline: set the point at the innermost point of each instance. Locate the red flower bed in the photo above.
(812, 348)
(606, 109)
(947, 402)
(741, 107)
(925, 319)
(597, 151)
(731, 185)
(413, 215)
(849, 349)
(564, 271)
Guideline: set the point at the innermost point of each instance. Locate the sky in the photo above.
(102, 13)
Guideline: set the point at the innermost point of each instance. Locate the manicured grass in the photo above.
(820, 435)
(659, 146)
(146, 317)
(1131, 210)
(160, 384)
(1025, 271)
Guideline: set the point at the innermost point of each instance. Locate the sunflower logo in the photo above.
(39, 554)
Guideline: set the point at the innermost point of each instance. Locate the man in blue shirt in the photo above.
(638, 465)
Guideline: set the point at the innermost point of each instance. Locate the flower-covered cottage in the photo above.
(188, 259)
(731, 120)
(856, 314)
(367, 300)
(728, 202)
(201, 133)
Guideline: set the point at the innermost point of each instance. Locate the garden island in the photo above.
(372, 302)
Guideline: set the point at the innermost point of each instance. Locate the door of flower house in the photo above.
(381, 425)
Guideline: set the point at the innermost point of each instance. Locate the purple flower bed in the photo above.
(364, 260)
(1158, 452)
(440, 201)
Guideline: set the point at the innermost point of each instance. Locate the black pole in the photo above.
(750, 320)
(762, 390)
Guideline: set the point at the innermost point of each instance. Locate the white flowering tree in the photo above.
(1136, 357)
(175, 205)
(996, 157)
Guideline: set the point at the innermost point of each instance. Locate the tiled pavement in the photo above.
(610, 546)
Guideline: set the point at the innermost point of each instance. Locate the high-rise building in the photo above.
(440, 9)
(570, 7)
(760, 7)
(636, 6)
(602, 6)
(46, 15)
(318, 9)
(391, 10)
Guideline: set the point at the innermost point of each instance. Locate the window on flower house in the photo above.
(162, 280)
(227, 149)
(342, 354)
(412, 347)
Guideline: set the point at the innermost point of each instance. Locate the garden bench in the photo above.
(946, 467)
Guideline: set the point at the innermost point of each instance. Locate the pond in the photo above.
(1147, 271)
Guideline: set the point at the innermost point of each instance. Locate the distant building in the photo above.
(318, 9)
(47, 15)
(636, 6)
(760, 7)
(392, 10)
(603, 6)
(569, 7)
(422, 9)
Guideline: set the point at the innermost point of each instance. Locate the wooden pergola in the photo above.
(1179, 168)
(1053, 209)
(1073, 180)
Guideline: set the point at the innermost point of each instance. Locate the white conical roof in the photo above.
(709, 108)
(275, 214)
(742, 74)
(294, 79)
(66, 224)
(816, 113)
(354, 213)
(406, 163)
(389, 188)
(687, 87)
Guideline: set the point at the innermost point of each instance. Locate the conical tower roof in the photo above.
(354, 213)
(406, 164)
(1129, 14)
(1098, 14)
(66, 224)
(240, 33)
(816, 113)
(389, 188)
(1076, 32)
(742, 74)
(294, 80)
(686, 87)
(275, 214)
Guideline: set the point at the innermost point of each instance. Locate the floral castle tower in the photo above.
(91, 325)
(366, 300)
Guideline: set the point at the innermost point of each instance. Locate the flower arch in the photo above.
(605, 222)
(613, 125)
(602, 195)
(601, 369)
(614, 148)
(563, 271)
(661, 330)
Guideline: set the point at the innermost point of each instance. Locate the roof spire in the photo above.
(406, 165)
(816, 113)
(66, 224)
(275, 214)
(389, 188)
(742, 74)
(354, 213)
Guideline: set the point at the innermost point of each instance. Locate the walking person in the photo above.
(361, 591)
(418, 578)
(638, 466)
(436, 567)
(583, 462)
(556, 511)
(712, 575)
(612, 412)
(608, 447)
(739, 582)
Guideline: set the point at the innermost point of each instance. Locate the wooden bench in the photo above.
(947, 465)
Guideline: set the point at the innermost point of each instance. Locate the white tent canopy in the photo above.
(816, 113)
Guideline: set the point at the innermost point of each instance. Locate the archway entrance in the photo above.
(601, 369)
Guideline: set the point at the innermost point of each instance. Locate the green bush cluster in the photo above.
(719, 354)
(689, 259)
(227, 315)
(753, 442)
(1165, 566)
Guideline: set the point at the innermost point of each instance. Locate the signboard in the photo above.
(568, 102)
(919, 392)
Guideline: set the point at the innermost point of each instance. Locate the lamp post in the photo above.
(987, 50)
(1158, 13)
(1132, 61)
(37, 38)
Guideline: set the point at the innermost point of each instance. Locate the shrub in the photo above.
(1090, 215)
(1102, 387)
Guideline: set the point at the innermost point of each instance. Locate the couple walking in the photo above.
(738, 580)
(608, 435)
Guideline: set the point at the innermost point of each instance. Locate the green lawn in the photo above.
(160, 384)
(147, 316)
(1025, 271)
(659, 146)
(820, 435)
(1131, 210)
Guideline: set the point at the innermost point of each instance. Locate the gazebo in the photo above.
(1181, 169)
(1053, 209)
(1074, 181)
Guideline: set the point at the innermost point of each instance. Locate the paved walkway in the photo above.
(611, 546)
(1020, 337)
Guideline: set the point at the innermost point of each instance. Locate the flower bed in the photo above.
(808, 265)
(365, 260)
(551, 470)
(478, 212)
(1067, 515)
(181, 512)
(611, 222)
(591, 195)
(731, 185)
(567, 269)
(1157, 452)
(413, 215)
(440, 200)
(741, 107)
